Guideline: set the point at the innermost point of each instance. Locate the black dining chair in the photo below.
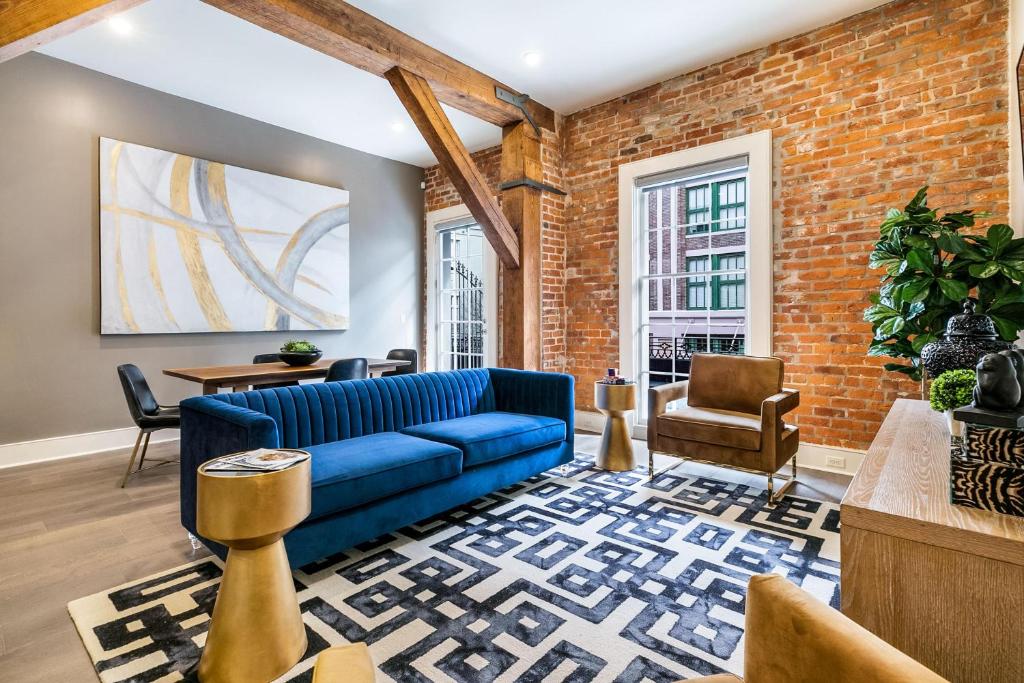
(348, 368)
(261, 358)
(403, 354)
(148, 415)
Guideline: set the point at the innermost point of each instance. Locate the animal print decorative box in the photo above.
(987, 470)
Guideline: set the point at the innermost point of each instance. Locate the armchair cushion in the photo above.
(712, 426)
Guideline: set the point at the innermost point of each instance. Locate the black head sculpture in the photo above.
(998, 387)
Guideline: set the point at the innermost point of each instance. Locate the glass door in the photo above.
(463, 288)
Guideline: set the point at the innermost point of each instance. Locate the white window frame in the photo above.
(439, 220)
(757, 148)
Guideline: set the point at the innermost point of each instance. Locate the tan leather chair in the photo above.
(729, 413)
(793, 638)
(344, 664)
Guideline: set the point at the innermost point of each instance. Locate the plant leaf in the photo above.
(919, 259)
(951, 242)
(984, 270)
(919, 200)
(916, 290)
(999, 236)
(953, 289)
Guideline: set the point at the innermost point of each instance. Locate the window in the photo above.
(727, 209)
(729, 289)
(696, 288)
(695, 245)
(460, 298)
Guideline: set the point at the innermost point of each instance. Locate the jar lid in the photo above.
(971, 324)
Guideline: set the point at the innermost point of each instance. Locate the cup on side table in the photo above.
(256, 633)
(616, 450)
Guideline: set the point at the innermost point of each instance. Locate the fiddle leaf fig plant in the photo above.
(931, 267)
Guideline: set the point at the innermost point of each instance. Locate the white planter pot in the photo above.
(956, 427)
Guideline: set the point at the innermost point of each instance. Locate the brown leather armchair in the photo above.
(729, 413)
(792, 637)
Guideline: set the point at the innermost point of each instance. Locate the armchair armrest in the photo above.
(658, 398)
(774, 407)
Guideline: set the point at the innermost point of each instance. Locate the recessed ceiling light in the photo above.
(532, 58)
(397, 126)
(120, 26)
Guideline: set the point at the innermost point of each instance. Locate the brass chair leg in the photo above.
(135, 451)
(775, 496)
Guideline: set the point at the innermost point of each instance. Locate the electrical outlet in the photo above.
(835, 461)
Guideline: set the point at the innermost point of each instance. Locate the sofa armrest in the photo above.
(211, 428)
(552, 394)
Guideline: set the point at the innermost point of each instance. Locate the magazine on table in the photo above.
(260, 460)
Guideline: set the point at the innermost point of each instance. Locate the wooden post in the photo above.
(520, 288)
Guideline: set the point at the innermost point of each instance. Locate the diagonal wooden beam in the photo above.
(28, 24)
(342, 31)
(452, 155)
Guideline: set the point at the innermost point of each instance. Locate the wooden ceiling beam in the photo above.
(28, 24)
(425, 109)
(342, 31)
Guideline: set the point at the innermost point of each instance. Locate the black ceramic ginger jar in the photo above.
(968, 337)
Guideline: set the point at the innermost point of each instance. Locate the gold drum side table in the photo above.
(256, 633)
(616, 450)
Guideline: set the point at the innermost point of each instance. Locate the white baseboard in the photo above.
(74, 445)
(817, 457)
(811, 456)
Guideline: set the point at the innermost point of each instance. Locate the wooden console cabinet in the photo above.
(941, 582)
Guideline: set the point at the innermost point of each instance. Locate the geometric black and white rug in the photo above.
(591, 576)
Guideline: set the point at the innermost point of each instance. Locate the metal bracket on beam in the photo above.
(529, 182)
(518, 101)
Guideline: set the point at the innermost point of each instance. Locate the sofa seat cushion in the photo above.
(712, 426)
(353, 472)
(492, 436)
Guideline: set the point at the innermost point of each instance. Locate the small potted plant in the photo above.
(300, 352)
(951, 390)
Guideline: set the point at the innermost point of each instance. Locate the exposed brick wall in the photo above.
(862, 112)
(441, 194)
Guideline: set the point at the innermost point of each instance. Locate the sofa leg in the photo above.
(650, 464)
(194, 541)
(563, 469)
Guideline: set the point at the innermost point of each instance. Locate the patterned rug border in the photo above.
(200, 577)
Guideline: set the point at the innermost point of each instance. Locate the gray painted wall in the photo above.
(57, 372)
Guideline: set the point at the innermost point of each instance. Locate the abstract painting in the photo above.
(189, 245)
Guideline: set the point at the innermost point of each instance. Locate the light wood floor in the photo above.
(67, 531)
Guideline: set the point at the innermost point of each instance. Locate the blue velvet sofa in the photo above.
(389, 451)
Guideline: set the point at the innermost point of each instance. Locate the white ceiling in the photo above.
(591, 51)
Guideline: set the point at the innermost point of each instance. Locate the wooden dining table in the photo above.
(242, 377)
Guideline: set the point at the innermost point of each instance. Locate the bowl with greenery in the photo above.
(300, 352)
(951, 390)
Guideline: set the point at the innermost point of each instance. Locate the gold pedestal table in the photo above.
(256, 633)
(616, 450)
